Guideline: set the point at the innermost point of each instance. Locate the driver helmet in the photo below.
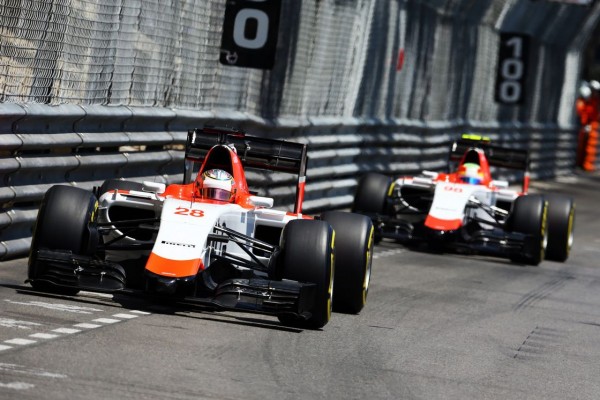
(595, 85)
(585, 91)
(470, 173)
(216, 184)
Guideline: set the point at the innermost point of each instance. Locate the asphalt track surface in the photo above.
(436, 326)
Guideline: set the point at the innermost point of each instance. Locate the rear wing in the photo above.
(497, 156)
(253, 152)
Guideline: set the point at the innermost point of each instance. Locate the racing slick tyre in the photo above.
(371, 194)
(561, 217)
(530, 216)
(371, 197)
(353, 258)
(65, 221)
(307, 256)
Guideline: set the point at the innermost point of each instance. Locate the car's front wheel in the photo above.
(307, 256)
(66, 221)
(529, 216)
(372, 197)
(371, 194)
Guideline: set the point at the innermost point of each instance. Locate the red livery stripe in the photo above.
(442, 224)
(173, 268)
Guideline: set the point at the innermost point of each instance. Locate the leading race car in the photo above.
(209, 240)
(467, 211)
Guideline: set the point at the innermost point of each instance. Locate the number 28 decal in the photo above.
(187, 211)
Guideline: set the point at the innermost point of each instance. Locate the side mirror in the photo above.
(153, 187)
(500, 184)
(259, 201)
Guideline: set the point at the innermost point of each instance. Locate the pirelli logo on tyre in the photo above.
(250, 31)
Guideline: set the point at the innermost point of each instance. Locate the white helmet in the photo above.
(216, 184)
(585, 91)
(595, 85)
(470, 173)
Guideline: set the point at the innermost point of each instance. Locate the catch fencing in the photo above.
(92, 90)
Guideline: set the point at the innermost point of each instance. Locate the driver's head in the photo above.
(216, 184)
(470, 173)
(585, 91)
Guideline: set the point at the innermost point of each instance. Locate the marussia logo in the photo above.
(178, 244)
(455, 189)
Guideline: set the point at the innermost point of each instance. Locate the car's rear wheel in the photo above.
(354, 239)
(66, 221)
(561, 219)
(307, 256)
(529, 216)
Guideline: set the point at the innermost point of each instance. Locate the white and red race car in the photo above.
(209, 240)
(467, 211)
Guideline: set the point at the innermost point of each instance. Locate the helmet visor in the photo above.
(472, 181)
(216, 194)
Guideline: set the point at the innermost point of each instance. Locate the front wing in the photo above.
(495, 242)
(251, 294)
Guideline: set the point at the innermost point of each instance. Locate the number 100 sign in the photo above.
(250, 30)
(512, 68)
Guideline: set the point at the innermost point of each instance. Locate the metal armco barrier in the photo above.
(83, 146)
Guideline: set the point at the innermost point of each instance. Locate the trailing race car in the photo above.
(467, 211)
(209, 240)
